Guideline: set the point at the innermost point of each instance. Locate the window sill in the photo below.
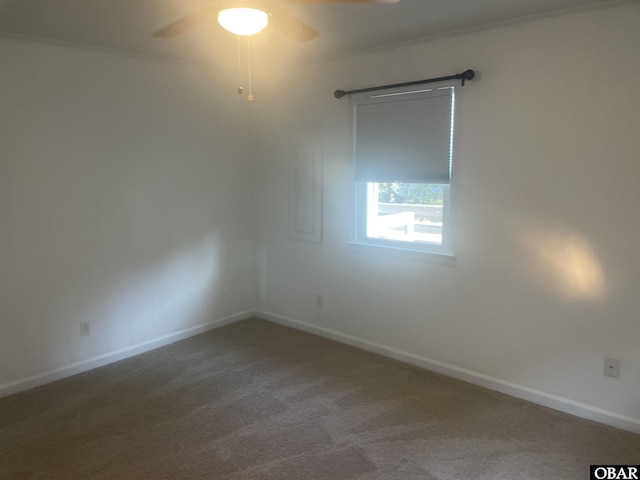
(438, 258)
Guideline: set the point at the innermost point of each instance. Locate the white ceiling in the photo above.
(126, 25)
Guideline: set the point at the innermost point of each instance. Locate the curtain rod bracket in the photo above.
(464, 76)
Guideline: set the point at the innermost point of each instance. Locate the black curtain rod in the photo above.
(466, 75)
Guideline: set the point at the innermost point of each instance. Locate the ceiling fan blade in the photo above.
(185, 23)
(291, 27)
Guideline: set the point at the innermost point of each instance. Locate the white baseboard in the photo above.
(519, 391)
(556, 402)
(101, 360)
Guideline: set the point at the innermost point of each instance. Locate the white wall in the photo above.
(546, 191)
(124, 201)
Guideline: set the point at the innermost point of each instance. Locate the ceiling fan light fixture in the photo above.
(243, 21)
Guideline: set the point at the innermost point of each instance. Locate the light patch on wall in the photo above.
(175, 293)
(186, 282)
(565, 262)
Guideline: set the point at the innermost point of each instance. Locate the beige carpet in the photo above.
(259, 401)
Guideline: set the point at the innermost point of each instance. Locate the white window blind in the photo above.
(404, 137)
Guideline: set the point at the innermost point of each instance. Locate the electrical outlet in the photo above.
(612, 367)
(319, 301)
(85, 329)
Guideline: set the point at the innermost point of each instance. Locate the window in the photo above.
(406, 212)
(403, 152)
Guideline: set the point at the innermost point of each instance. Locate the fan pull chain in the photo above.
(250, 97)
(240, 87)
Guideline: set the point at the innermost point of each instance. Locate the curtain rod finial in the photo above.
(339, 93)
(467, 75)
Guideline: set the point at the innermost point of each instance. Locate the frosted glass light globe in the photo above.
(243, 21)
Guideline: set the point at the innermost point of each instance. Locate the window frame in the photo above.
(439, 253)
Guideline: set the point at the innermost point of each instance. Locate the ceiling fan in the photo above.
(250, 17)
